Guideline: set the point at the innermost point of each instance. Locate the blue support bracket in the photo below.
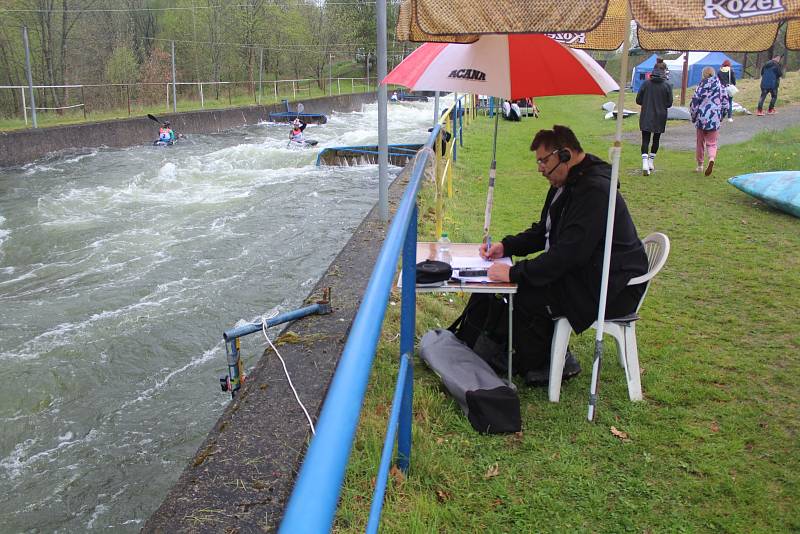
(233, 381)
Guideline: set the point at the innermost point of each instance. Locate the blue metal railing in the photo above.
(312, 505)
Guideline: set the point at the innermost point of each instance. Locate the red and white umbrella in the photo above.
(507, 66)
(510, 66)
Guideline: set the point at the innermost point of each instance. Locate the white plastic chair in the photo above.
(623, 329)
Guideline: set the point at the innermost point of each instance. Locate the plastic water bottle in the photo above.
(443, 249)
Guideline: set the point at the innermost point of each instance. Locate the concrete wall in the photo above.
(20, 147)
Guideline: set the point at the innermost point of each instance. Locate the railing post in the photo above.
(408, 308)
(24, 105)
(128, 98)
(202, 102)
(276, 90)
(30, 76)
(454, 111)
(174, 80)
(83, 101)
(294, 90)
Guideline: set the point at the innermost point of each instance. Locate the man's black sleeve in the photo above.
(582, 228)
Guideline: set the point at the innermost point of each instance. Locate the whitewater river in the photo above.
(119, 271)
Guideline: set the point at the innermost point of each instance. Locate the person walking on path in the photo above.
(771, 74)
(727, 77)
(654, 96)
(706, 114)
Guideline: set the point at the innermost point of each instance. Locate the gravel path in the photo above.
(680, 134)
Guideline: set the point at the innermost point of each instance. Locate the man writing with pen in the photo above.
(564, 280)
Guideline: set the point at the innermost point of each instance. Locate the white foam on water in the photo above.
(24, 457)
(208, 355)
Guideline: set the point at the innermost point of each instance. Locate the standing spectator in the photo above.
(706, 113)
(727, 77)
(655, 96)
(771, 74)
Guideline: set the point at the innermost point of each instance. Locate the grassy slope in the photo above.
(714, 447)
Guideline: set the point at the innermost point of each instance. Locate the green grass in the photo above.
(714, 446)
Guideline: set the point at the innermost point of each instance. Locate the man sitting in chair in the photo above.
(564, 280)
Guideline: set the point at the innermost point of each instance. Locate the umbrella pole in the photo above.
(616, 151)
(487, 216)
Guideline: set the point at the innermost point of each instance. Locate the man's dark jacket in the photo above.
(573, 264)
(655, 96)
(771, 73)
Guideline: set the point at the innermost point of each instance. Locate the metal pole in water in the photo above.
(383, 133)
(30, 76)
(174, 93)
(436, 109)
(330, 74)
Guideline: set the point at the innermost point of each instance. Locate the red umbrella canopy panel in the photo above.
(507, 66)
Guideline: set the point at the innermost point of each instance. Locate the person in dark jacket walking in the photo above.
(655, 96)
(564, 280)
(771, 74)
(727, 78)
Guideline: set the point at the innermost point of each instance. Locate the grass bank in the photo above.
(714, 446)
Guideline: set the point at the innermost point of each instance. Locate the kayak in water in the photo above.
(159, 142)
(299, 145)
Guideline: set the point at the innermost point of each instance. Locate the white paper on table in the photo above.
(467, 262)
(474, 262)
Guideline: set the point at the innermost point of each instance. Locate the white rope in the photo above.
(286, 371)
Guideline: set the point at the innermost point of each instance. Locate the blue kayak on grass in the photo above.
(780, 189)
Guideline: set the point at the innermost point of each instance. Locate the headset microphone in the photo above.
(564, 156)
(548, 173)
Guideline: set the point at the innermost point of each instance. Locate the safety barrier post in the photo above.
(83, 101)
(408, 320)
(127, 98)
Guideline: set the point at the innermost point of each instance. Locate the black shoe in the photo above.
(541, 377)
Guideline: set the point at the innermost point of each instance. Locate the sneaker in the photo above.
(730, 119)
(710, 167)
(541, 377)
(760, 112)
(699, 168)
(771, 112)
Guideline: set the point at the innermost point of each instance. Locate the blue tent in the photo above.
(697, 62)
(641, 72)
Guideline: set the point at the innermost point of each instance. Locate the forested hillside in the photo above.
(129, 42)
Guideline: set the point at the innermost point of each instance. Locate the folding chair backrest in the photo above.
(656, 246)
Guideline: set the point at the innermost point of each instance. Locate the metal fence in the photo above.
(137, 98)
(313, 502)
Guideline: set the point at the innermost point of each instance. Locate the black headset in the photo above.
(563, 157)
